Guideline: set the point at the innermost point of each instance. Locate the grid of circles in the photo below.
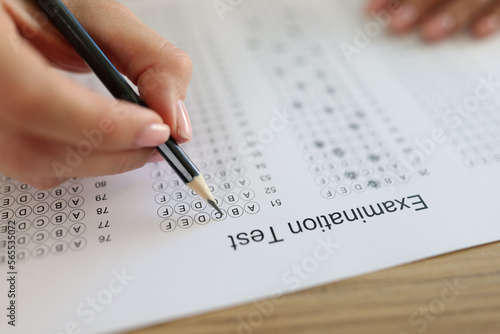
(213, 146)
(334, 128)
(471, 124)
(46, 221)
(181, 207)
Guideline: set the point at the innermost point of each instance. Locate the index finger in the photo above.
(37, 101)
(161, 71)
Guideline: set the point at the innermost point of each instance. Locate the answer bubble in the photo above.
(78, 244)
(185, 222)
(217, 216)
(168, 225)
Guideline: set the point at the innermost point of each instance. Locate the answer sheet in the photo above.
(333, 149)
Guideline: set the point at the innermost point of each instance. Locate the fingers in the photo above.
(45, 165)
(52, 128)
(375, 6)
(438, 19)
(451, 17)
(488, 21)
(410, 12)
(34, 26)
(41, 103)
(161, 70)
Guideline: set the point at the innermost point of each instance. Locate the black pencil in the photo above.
(67, 24)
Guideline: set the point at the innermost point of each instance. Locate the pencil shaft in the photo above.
(178, 160)
(81, 41)
(107, 73)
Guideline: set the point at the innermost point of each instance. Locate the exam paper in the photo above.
(333, 149)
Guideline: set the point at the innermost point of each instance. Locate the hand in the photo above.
(51, 128)
(438, 19)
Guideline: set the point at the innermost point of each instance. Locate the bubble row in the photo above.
(202, 218)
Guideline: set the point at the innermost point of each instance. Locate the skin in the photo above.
(438, 19)
(42, 112)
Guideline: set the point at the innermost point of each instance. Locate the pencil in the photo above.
(68, 25)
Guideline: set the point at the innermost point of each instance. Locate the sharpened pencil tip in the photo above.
(212, 203)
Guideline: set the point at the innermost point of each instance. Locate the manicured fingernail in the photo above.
(184, 129)
(153, 135)
(487, 25)
(405, 18)
(439, 26)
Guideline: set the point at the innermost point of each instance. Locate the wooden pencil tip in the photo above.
(199, 186)
(215, 206)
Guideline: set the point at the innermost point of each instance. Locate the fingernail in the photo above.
(487, 25)
(439, 26)
(153, 135)
(184, 129)
(405, 18)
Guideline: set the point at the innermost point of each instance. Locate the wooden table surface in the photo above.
(454, 293)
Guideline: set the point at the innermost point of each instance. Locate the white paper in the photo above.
(309, 122)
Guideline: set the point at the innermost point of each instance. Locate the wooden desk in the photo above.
(379, 303)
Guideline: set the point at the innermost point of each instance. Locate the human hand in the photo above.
(437, 19)
(51, 128)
